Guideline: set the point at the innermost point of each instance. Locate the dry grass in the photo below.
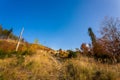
(38, 66)
(87, 69)
(43, 66)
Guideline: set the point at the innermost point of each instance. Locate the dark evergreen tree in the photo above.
(1, 30)
(92, 36)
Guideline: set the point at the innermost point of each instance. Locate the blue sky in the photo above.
(57, 23)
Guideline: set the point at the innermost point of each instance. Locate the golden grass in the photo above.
(43, 66)
(85, 68)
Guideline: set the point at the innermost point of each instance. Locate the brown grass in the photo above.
(43, 66)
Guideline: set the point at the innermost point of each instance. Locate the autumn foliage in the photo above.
(107, 47)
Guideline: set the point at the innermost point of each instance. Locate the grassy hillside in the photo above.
(37, 62)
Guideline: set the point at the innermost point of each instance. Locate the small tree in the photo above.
(98, 50)
(36, 41)
(5, 33)
(9, 33)
(84, 48)
(1, 30)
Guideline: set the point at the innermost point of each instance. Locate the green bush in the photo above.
(72, 54)
(8, 54)
(4, 54)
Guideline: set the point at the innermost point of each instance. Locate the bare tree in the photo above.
(110, 31)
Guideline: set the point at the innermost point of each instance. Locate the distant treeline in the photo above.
(7, 34)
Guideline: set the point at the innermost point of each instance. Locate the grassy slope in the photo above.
(44, 66)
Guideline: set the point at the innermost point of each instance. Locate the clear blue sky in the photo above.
(57, 23)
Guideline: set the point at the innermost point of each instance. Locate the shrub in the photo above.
(5, 54)
(8, 54)
(20, 59)
(72, 54)
(2, 54)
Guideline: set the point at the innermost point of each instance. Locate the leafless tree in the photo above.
(110, 31)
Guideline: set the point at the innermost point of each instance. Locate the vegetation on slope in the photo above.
(99, 60)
